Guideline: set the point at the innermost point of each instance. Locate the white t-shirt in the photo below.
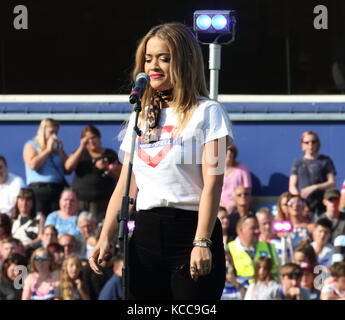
(325, 256)
(168, 172)
(263, 291)
(9, 191)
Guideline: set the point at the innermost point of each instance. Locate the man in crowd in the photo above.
(331, 200)
(243, 200)
(247, 248)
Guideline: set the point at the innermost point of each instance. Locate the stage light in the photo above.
(203, 22)
(219, 22)
(282, 226)
(213, 21)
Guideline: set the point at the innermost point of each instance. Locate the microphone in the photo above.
(141, 81)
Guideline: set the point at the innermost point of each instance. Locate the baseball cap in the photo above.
(331, 193)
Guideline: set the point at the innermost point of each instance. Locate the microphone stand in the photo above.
(126, 201)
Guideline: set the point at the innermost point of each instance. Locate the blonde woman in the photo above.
(177, 246)
(312, 174)
(44, 160)
(42, 282)
(72, 286)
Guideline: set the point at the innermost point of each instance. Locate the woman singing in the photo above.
(176, 251)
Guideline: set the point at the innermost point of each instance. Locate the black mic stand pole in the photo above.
(126, 201)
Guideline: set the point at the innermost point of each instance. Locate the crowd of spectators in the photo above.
(48, 229)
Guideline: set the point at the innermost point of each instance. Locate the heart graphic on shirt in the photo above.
(155, 160)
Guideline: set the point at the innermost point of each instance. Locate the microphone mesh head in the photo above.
(143, 75)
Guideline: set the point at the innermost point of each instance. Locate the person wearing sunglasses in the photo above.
(301, 229)
(312, 174)
(290, 288)
(42, 281)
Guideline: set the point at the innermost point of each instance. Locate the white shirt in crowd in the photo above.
(325, 256)
(168, 172)
(9, 191)
(263, 291)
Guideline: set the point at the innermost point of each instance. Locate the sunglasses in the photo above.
(333, 199)
(294, 276)
(310, 142)
(41, 258)
(297, 203)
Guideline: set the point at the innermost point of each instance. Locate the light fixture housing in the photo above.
(214, 21)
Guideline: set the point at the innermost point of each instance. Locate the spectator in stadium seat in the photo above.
(335, 290)
(69, 244)
(263, 287)
(267, 234)
(72, 286)
(223, 216)
(112, 289)
(246, 249)
(87, 224)
(236, 174)
(8, 274)
(282, 213)
(304, 252)
(243, 200)
(25, 225)
(307, 280)
(331, 201)
(10, 185)
(96, 169)
(42, 281)
(290, 288)
(10, 246)
(321, 236)
(301, 229)
(65, 219)
(312, 174)
(44, 160)
(57, 251)
(5, 226)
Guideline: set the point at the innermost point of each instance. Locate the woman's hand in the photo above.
(200, 262)
(83, 142)
(99, 255)
(102, 164)
(79, 284)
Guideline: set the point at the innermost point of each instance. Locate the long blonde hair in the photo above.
(40, 136)
(186, 68)
(66, 283)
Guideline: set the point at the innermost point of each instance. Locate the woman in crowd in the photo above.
(312, 174)
(304, 252)
(72, 285)
(5, 226)
(282, 213)
(177, 242)
(25, 222)
(236, 174)
(65, 219)
(44, 160)
(12, 269)
(223, 216)
(96, 169)
(263, 287)
(42, 281)
(301, 229)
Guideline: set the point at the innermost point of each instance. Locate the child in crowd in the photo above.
(335, 289)
(263, 287)
(72, 286)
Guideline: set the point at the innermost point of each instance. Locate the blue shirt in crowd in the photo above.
(63, 226)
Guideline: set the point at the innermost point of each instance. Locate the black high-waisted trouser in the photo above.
(159, 257)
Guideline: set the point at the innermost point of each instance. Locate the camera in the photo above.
(111, 158)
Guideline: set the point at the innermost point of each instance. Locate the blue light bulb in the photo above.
(219, 22)
(203, 22)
